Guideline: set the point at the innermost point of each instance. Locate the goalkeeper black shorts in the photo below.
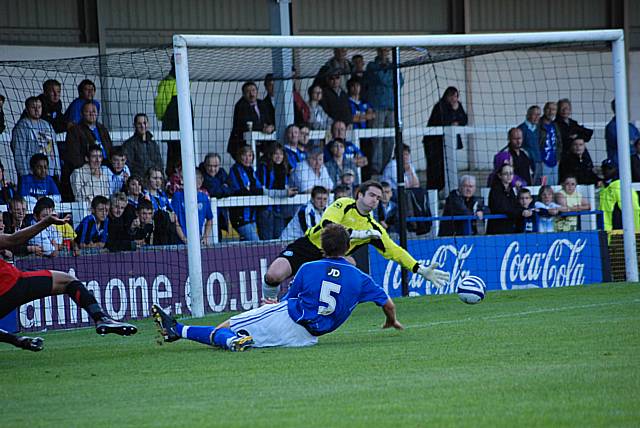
(300, 252)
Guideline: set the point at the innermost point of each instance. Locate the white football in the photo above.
(471, 289)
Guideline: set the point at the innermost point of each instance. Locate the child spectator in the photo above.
(86, 93)
(93, 230)
(5, 254)
(361, 110)
(119, 170)
(528, 221)
(307, 215)
(154, 193)
(578, 163)
(17, 219)
(205, 215)
(547, 209)
(387, 212)
(39, 184)
(142, 228)
(49, 239)
(570, 200)
(175, 182)
(337, 164)
(244, 182)
(342, 191)
(273, 173)
(135, 193)
(7, 189)
(118, 238)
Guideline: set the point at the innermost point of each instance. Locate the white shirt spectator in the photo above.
(305, 177)
(48, 240)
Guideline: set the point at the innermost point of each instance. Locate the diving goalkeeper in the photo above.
(355, 215)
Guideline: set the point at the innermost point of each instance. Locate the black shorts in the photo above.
(300, 252)
(31, 286)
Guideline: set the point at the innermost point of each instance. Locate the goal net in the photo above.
(496, 83)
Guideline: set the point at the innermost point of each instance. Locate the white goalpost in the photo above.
(283, 60)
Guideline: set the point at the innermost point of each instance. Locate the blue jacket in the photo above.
(380, 85)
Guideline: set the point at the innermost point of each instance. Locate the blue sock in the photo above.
(221, 337)
(200, 334)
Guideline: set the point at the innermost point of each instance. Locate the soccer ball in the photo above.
(471, 289)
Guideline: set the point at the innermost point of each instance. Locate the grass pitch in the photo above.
(553, 357)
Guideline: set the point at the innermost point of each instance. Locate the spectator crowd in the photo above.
(137, 200)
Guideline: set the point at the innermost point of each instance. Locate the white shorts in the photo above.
(271, 325)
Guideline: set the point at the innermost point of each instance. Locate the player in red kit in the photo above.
(18, 288)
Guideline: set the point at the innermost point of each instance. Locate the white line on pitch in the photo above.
(516, 314)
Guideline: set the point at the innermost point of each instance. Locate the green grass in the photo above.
(554, 357)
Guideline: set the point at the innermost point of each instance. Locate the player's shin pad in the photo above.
(270, 292)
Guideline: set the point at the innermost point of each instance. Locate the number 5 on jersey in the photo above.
(326, 297)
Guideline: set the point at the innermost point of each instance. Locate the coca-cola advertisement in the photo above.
(504, 262)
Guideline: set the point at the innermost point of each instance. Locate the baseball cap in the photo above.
(348, 171)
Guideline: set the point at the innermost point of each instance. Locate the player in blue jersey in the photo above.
(320, 299)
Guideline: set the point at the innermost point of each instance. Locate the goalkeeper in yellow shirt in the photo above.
(356, 216)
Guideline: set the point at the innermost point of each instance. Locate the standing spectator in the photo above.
(335, 101)
(205, 215)
(387, 212)
(611, 136)
(49, 239)
(461, 201)
(547, 209)
(118, 238)
(448, 111)
(503, 200)
(611, 200)
(379, 77)
(273, 173)
(312, 173)
(338, 163)
(119, 170)
(93, 231)
(244, 182)
(87, 133)
(569, 128)
(521, 163)
(358, 72)
(52, 105)
(166, 109)
(337, 63)
(86, 94)
(249, 114)
(550, 143)
(307, 215)
(318, 118)
(269, 87)
(351, 151)
(531, 141)
(141, 150)
(295, 153)
(33, 135)
(92, 179)
(578, 163)
(7, 189)
(390, 173)
(570, 200)
(529, 221)
(39, 183)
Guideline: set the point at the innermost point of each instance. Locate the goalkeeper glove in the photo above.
(431, 273)
(365, 234)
